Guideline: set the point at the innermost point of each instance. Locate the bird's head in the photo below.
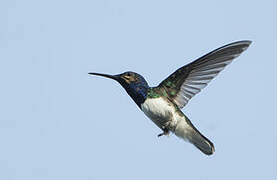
(135, 85)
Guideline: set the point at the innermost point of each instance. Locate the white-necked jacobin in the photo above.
(162, 104)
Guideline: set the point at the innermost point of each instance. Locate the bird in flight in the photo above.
(163, 103)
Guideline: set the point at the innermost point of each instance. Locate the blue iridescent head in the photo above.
(135, 85)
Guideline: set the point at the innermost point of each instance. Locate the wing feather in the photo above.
(190, 79)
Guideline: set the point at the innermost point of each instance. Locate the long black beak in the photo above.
(114, 77)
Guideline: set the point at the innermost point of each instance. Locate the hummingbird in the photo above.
(163, 103)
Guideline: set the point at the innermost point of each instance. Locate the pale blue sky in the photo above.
(57, 122)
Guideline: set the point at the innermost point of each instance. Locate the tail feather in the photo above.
(187, 131)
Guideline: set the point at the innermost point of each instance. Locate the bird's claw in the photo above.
(161, 134)
(165, 132)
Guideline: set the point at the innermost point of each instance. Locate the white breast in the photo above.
(158, 110)
(164, 115)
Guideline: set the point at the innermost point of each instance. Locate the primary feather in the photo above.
(190, 79)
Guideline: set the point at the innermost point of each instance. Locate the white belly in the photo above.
(165, 115)
(160, 111)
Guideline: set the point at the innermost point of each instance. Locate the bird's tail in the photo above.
(188, 132)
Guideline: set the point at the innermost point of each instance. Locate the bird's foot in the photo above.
(165, 132)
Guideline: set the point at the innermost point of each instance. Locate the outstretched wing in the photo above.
(188, 80)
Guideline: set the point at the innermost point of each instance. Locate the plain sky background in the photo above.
(57, 122)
